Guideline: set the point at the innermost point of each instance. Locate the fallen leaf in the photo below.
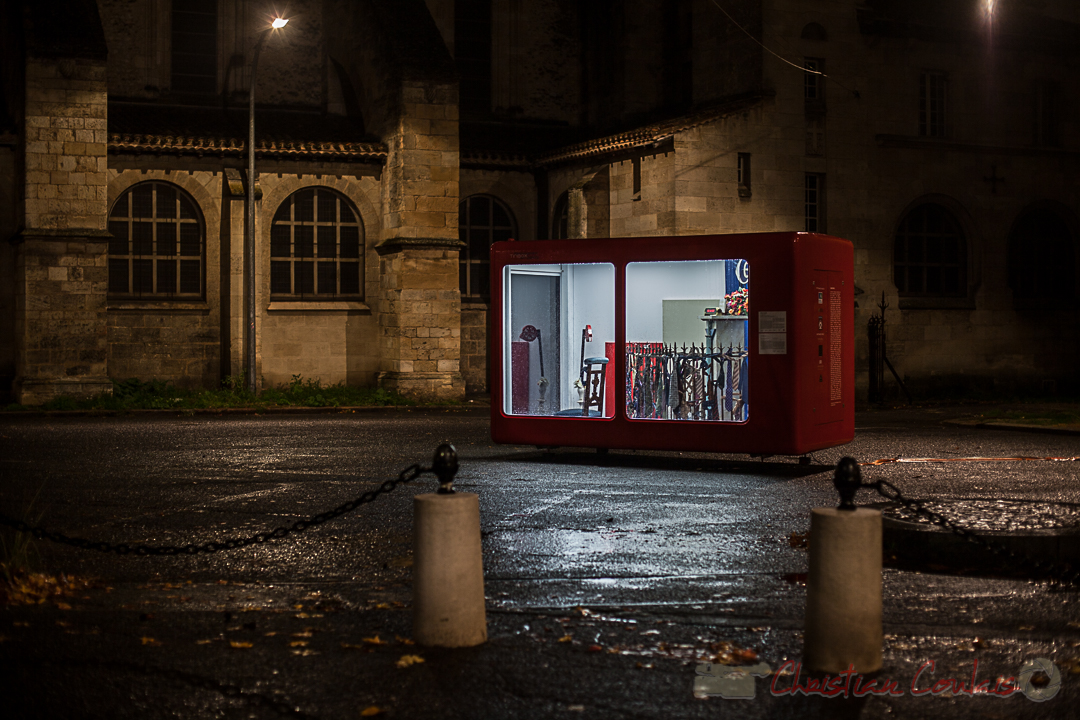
(1026, 627)
(371, 711)
(305, 652)
(799, 541)
(203, 642)
(306, 634)
(595, 648)
(239, 644)
(149, 641)
(63, 606)
(566, 638)
(407, 660)
(404, 640)
(373, 640)
(298, 643)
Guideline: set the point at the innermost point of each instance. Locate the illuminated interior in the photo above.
(686, 341)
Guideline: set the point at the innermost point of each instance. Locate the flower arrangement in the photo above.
(738, 302)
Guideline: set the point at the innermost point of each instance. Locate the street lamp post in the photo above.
(250, 364)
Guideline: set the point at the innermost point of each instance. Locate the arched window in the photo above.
(316, 247)
(1042, 259)
(560, 218)
(158, 244)
(930, 254)
(482, 220)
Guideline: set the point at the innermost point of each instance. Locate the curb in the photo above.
(1015, 427)
(341, 410)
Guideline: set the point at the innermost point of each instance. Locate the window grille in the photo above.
(316, 247)
(930, 254)
(158, 248)
(482, 220)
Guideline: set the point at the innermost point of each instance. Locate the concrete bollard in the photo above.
(448, 568)
(843, 590)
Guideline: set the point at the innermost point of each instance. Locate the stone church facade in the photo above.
(396, 141)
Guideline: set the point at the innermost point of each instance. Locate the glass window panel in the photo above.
(950, 281)
(187, 209)
(933, 250)
(479, 243)
(914, 284)
(166, 276)
(687, 333)
(915, 250)
(283, 212)
(933, 279)
(501, 234)
(557, 339)
(118, 276)
(304, 202)
(190, 276)
(479, 211)
(327, 245)
(120, 209)
(142, 201)
(481, 278)
(166, 201)
(166, 238)
(303, 241)
(327, 273)
(350, 278)
(350, 241)
(463, 278)
(142, 238)
(279, 241)
(327, 207)
(142, 276)
(190, 239)
(280, 280)
(304, 276)
(499, 216)
(118, 244)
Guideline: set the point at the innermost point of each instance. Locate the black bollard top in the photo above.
(445, 466)
(848, 480)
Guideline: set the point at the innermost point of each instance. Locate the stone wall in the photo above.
(178, 341)
(60, 263)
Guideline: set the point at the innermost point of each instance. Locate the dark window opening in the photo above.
(815, 202)
(157, 247)
(930, 254)
(678, 54)
(743, 174)
(932, 99)
(472, 53)
(1042, 258)
(814, 82)
(482, 220)
(316, 248)
(194, 47)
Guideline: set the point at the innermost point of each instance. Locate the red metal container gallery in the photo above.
(737, 343)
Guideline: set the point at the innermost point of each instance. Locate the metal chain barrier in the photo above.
(444, 466)
(849, 479)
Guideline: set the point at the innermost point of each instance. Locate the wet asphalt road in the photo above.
(640, 563)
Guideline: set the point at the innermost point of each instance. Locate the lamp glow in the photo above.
(279, 23)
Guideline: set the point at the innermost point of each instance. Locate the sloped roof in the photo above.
(544, 150)
(203, 130)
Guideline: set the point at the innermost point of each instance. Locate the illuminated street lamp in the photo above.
(277, 24)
